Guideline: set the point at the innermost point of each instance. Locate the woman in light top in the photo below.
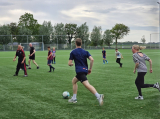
(140, 65)
(54, 55)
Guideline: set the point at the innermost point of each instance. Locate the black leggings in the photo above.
(140, 82)
(119, 61)
(54, 59)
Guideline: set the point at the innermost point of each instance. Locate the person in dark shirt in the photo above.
(49, 58)
(32, 56)
(22, 68)
(21, 58)
(80, 57)
(104, 56)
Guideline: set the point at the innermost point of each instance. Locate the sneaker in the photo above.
(107, 62)
(139, 98)
(25, 75)
(38, 67)
(49, 71)
(72, 101)
(54, 62)
(15, 75)
(29, 67)
(100, 100)
(157, 86)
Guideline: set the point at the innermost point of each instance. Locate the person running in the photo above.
(140, 65)
(49, 58)
(54, 55)
(104, 56)
(21, 58)
(118, 57)
(80, 58)
(32, 56)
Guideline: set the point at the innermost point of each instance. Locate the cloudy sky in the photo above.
(140, 15)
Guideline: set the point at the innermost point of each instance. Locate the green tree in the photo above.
(24, 31)
(29, 22)
(119, 31)
(143, 40)
(96, 35)
(83, 33)
(46, 29)
(14, 30)
(107, 37)
(59, 33)
(70, 31)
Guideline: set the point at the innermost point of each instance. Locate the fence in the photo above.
(62, 43)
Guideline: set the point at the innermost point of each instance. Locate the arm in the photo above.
(70, 63)
(91, 64)
(23, 60)
(121, 56)
(136, 65)
(14, 59)
(49, 55)
(33, 53)
(150, 62)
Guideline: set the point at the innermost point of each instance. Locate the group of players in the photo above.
(80, 57)
(22, 59)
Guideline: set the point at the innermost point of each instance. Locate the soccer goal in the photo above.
(39, 46)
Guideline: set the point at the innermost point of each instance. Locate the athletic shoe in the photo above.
(25, 76)
(139, 98)
(38, 67)
(157, 86)
(72, 101)
(100, 100)
(15, 75)
(54, 62)
(29, 67)
(107, 62)
(49, 71)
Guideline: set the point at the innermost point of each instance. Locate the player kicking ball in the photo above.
(80, 58)
(104, 56)
(49, 58)
(140, 65)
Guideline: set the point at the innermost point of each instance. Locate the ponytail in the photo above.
(137, 47)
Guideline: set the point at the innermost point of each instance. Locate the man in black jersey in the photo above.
(32, 56)
(21, 58)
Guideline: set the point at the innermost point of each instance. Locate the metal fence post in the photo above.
(12, 42)
(150, 41)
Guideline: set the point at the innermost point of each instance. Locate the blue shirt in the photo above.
(80, 58)
(104, 53)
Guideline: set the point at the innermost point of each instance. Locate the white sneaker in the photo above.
(72, 101)
(157, 86)
(100, 100)
(139, 98)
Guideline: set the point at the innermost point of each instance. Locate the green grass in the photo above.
(39, 96)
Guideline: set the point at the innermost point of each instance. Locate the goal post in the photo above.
(39, 46)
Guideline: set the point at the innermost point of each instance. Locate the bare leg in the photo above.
(89, 87)
(29, 62)
(35, 63)
(75, 86)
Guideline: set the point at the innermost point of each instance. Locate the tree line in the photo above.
(60, 32)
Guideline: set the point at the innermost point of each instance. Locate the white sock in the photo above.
(74, 96)
(97, 95)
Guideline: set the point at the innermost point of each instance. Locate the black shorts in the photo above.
(32, 57)
(81, 76)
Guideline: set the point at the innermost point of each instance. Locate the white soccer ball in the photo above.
(65, 94)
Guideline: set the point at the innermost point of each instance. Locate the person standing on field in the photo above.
(140, 65)
(21, 61)
(118, 57)
(32, 56)
(80, 57)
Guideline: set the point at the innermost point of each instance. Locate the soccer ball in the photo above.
(65, 94)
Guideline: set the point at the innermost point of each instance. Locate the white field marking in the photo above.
(151, 53)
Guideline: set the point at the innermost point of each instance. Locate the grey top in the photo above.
(141, 60)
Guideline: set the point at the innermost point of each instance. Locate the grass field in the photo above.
(39, 96)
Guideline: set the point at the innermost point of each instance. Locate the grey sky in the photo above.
(140, 15)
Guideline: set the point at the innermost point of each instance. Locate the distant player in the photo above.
(32, 56)
(104, 56)
(21, 58)
(80, 58)
(49, 58)
(118, 57)
(54, 55)
(140, 65)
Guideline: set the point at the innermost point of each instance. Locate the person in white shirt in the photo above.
(118, 57)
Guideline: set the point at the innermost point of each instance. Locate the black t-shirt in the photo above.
(32, 50)
(20, 54)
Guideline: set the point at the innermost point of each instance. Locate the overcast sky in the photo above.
(140, 15)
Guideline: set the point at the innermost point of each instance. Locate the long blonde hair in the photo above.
(137, 47)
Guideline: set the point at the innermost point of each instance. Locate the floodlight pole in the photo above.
(159, 23)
